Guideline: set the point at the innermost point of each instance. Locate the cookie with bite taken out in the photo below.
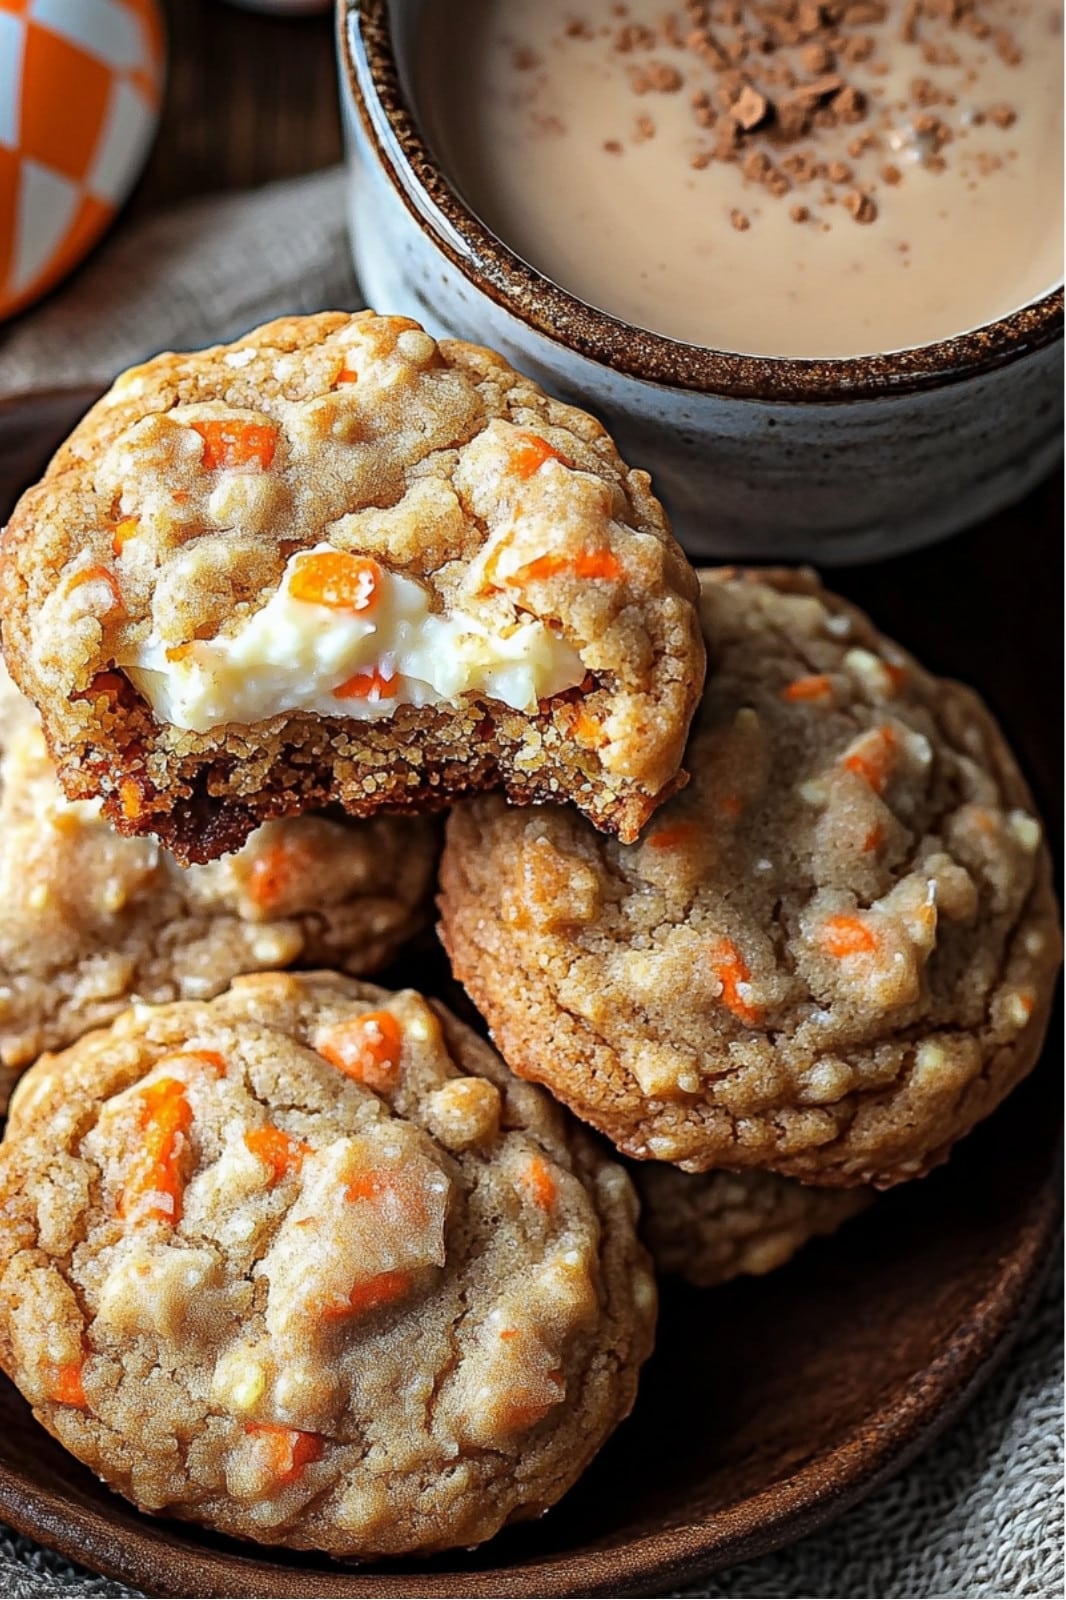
(340, 563)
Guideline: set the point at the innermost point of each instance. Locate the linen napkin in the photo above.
(981, 1512)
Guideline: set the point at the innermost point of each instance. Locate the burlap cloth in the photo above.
(980, 1513)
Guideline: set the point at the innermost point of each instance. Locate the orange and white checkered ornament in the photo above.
(80, 87)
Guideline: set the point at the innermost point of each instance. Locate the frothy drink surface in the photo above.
(786, 179)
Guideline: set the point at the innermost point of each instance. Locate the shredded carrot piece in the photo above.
(586, 730)
(165, 1119)
(275, 871)
(336, 579)
(233, 443)
(208, 1058)
(518, 1417)
(367, 1048)
(897, 674)
(530, 452)
(123, 531)
(508, 1333)
(874, 757)
(539, 1183)
(130, 798)
(369, 1185)
(281, 1153)
(843, 936)
(1026, 1001)
(291, 1450)
(383, 1290)
(525, 1414)
(346, 375)
(668, 838)
(98, 575)
(731, 970)
(372, 685)
(178, 652)
(875, 838)
(815, 686)
(65, 1384)
(586, 564)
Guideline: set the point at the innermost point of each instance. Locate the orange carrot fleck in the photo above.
(98, 575)
(897, 675)
(875, 838)
(130, 798)
(274, 872)
(122, 532)
(844, 936)
(367, 1048)
(525, 1414)
(586, 564)
(730, 805)
(346, 375)
(179, 652)
(154, 1176)
(1026, 1001)
(382, 1290)
(367, 1186)
(281, 1153)
(336, 579)
(207, 1058)
(65, 1384)
(874, 757)
(372, 685)
(586, 730)
(731, 970)
(539, 1184)
(674, 834)
(291, 1450)
(814, 686)
(530, 452)
(233, 443)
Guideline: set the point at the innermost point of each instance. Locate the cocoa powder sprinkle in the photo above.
(767, 81)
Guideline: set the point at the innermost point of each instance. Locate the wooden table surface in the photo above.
(249, 98)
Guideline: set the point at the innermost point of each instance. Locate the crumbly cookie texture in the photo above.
(708, 1227)
(305, 1264)
(832, 954)
(89, 919)
(337, 562)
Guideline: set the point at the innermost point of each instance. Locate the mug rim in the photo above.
(560, 316)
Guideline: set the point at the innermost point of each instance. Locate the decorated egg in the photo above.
(80, 87)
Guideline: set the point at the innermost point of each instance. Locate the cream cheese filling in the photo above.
(363, 658)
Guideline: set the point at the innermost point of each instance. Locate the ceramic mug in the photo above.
(754, 457)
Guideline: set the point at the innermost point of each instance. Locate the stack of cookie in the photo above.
(305, 1260)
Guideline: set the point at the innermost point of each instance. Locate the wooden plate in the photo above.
(772, 1405)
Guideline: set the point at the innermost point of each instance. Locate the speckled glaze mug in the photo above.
(754, 457)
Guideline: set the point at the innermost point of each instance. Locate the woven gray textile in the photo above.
(980, 1514)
